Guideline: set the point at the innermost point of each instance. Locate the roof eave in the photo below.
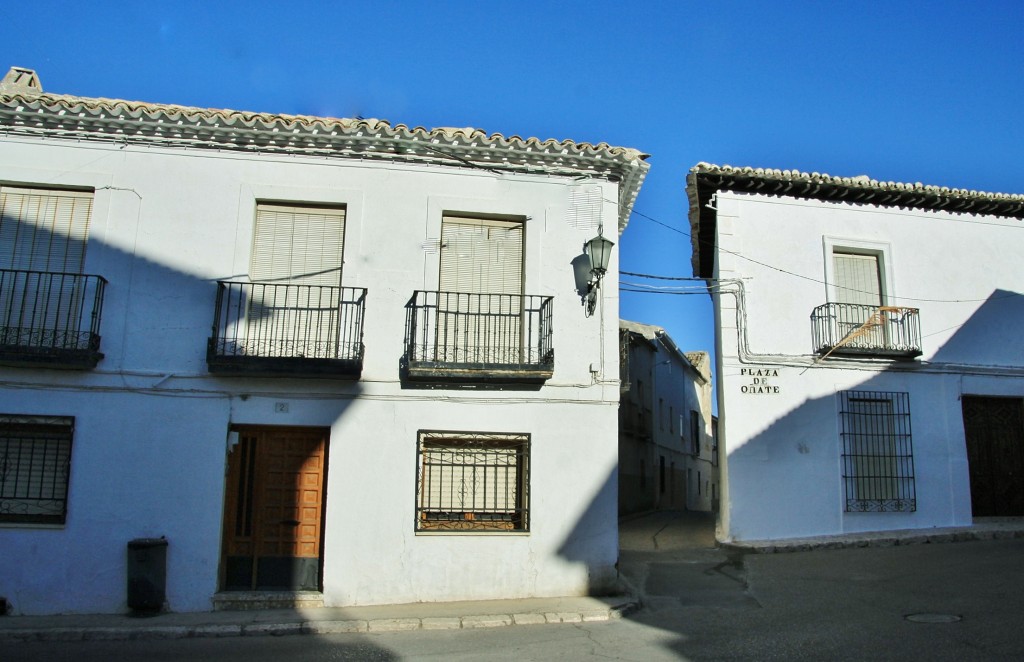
(83, 118)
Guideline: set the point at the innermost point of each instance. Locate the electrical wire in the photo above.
(790, 273)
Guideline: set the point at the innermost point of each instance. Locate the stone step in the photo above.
(251, 600)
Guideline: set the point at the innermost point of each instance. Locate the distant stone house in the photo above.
(336, 360)
(869, 366)
(666, 458)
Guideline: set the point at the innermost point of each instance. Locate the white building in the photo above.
(666, 456)
(870, 369)
(241, 331)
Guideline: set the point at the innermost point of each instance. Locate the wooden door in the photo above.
(273, 514)
(994, 428)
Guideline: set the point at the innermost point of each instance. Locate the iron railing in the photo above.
(287, 328)
(878, 455)
(487, 336)
(50, 317)
(851, 329)
(473, 482)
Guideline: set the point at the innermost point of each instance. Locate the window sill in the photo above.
(503, 534)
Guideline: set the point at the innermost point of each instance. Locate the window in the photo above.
(694, 432)
(298, 244)
(35, 462)
(43, 230)
(473, 481)
(480, 304)
(481, 256)
(661, 475)
(296, 261)
(878, 460)
(857, 289)
(661, 413)
(43, 296)
(671, 420)
(857, 278)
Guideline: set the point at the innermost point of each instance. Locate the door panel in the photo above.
(994, 429)
(274, 509)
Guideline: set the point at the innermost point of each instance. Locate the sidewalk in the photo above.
(664, 531)
(984, 528)
(688, 530)
(321, 620)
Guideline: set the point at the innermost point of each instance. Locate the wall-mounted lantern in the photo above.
(589, 268)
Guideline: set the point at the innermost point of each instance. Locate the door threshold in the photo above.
(254, 600)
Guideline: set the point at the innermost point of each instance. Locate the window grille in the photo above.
(878, 458)
(468, 481)
(35, 462)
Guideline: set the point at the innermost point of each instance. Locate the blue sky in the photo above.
(927, 92)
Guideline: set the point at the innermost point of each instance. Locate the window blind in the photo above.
(298, 244)
(857, 279)
(43, 230)
(481, 256)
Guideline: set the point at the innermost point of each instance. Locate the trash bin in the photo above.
(147, 574)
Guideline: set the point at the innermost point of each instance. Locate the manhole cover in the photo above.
(933, 618)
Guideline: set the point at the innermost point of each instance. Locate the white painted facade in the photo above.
(666, 455)
(151, 422)
(779, 400)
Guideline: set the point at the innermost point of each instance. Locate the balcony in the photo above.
(455, 336)
(272, 329)
(50, 319)
(847, 329)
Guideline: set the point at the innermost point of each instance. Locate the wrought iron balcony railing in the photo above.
(50, 318)
(287, 329)
(485, 337)
(854, 329)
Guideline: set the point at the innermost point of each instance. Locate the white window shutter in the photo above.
(481, 256)
(857, 279)
(298, 245)
(44, 230)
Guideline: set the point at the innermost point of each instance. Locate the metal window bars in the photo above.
(472, 482)
(878, 457)
(35, 461)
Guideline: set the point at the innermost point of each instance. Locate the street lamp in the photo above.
(590, 268)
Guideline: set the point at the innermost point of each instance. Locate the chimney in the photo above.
(20, 80)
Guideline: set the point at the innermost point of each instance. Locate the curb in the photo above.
(786, 546)
(127, 633)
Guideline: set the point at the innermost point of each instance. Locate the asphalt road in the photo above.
(702, 604)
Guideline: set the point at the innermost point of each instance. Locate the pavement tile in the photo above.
(393, 624)
(107, 634)
(217, 631)
(488, 621)
(529, 619)
(594, 616)
(442, 623)
(273, 629)
(334, 627)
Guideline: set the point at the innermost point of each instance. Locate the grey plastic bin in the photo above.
(147, 574)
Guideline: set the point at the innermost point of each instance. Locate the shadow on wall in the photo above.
(594, 540)
(991, 336)
(156, 321)
(788, 481)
